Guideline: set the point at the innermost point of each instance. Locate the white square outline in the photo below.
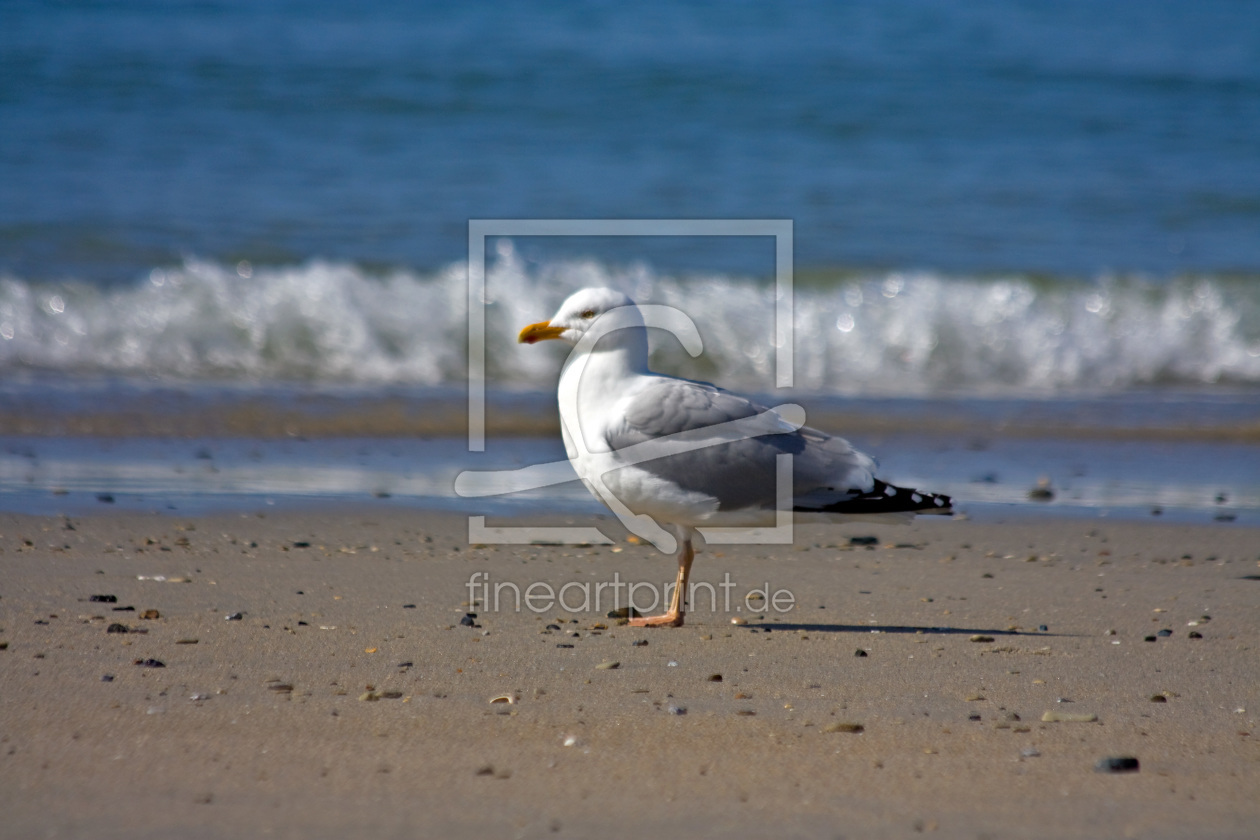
(782, 346)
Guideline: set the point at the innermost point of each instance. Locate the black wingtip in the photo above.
(887, 498)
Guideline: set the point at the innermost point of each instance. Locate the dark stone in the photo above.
(466, 621)
(301, 544)
(107, 677)
(117, 628)
(150, 663)
(234, 616)
(715, 677)
(863, 540)
(1117, 764)
(1195, 634)
(105, 498)
(564, 646)
(624, 612)
(1042, 628)
(1148, 638)
(104, 599)
(1165, 633)
(860, 653)
(639, 643)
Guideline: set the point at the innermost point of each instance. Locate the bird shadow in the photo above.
(868, 629)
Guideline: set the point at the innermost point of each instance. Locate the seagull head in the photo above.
(575, 316)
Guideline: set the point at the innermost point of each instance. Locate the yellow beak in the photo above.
(539, 332)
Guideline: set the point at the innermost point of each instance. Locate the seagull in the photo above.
(689, 454)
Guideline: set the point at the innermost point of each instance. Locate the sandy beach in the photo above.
(315, 680)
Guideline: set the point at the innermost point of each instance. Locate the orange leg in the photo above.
(677, 604)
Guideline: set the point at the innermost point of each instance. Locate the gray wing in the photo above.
(740, 474)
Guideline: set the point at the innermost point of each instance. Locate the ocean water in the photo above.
(1012, 222)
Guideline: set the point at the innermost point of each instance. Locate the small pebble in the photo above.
(1117, 764)
(624, 612)
(739, 621)
(607, 666)
(980, 639)
(150, 663)
(1043, 628)
(844, 727)
(860, 653)
(1195, 634)
(233, 616)
(117, 628)
(1158, 698)
(104, 599)
(466, 622)
(564, 646)
(1165, 633)
(150, 615)
(639, 643)
(107, 677)
(1068, 717)
(677, 710)
(672, 664)
(1030, 752)
(1148, 638)
(715, 677)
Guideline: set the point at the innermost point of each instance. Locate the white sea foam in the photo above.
(875, 333)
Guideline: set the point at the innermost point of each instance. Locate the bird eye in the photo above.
(590, 313)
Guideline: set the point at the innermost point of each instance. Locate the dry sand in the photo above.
(262, 727)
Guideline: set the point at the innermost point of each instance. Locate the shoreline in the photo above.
(267, 723)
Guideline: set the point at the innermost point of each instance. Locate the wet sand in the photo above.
(349, 700)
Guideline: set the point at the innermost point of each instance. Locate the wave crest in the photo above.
(910, 333)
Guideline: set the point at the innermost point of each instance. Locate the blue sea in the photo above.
(234, 238)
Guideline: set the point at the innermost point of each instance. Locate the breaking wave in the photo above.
(885, 333)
